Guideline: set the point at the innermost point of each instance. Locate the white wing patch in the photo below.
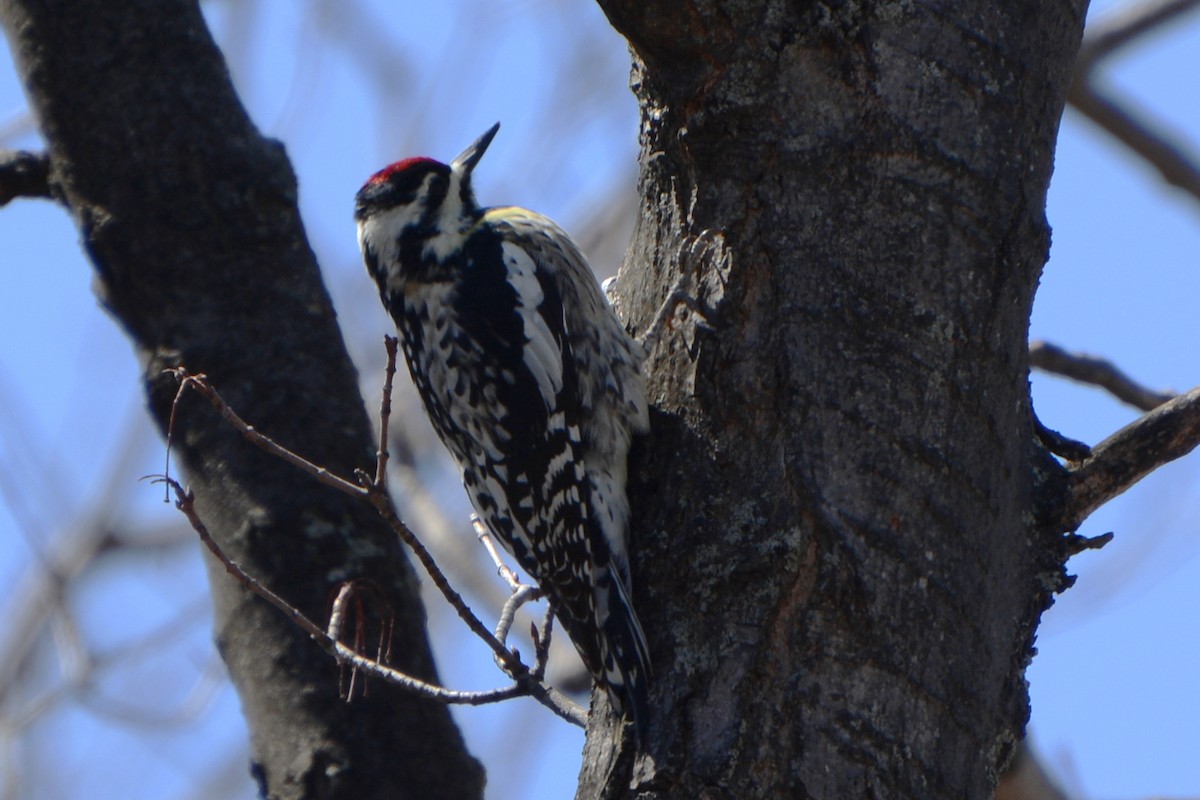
(542, 355)
(608, 365)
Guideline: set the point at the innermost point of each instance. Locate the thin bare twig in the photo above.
(524, 594)
(385, 411)
(1098, 104)
(502, 569)
(349, 598)
(200, 383)
(376, 493)
(366, 488)
(383, 505)
(337, 615)
(1168, 432)
(344, 655)
(1097, 372)
(541, 641)
(1123, 27)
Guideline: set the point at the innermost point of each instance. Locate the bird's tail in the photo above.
(624, 656)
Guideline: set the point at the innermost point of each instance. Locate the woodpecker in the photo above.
(533, 386)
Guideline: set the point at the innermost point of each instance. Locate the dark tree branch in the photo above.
(1060, 445)
(23, 174)
(190, 218)
(1125, 26)
(1098, 103)
(1168, 432)
(1097, 372)
(1076, 544)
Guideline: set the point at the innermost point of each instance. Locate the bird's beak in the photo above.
(468, 158)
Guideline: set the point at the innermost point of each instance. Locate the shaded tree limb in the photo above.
(1098, 103)
(189, 216)
(1168, 432)
(23, 174)
(1097, 372)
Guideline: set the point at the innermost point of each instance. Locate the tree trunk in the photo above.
(838, 553)
(190, 218)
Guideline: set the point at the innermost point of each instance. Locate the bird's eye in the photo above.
(414, 186)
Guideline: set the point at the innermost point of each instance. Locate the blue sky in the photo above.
(1113, 686)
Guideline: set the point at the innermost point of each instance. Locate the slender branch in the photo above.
(350, 598)
(1097, 372)
(523, 593)
(367, 488)
(337, 615)
(1137, 134)
(548, 696)
(1098, 104)
(383, 505)
(344, 655)
(520, 597)
(1123, 27)
(200, 383)
(376, 493)
(1168, 432)
(541, 641)
(1060, 445)
(485, 538)
(385, 411)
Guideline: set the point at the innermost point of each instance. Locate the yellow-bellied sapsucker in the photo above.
(531, 383)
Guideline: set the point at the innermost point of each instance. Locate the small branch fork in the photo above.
(1170, 430)
(348, 656)
(373, 489)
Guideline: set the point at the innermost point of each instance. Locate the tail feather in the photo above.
(625, 658)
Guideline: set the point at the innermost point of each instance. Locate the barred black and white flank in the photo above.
(532, 384)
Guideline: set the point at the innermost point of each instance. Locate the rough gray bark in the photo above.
(840, 548)
(190, 218)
